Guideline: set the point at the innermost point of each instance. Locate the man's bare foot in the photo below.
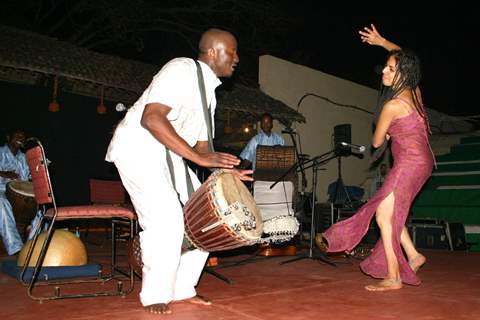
(198, 300)
(159, 308)
(385, 285)
(417, 262)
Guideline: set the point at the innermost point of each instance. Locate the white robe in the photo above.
(8, 228)
(141, 161)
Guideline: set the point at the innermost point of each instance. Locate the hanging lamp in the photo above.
(54, 106)
(101, 109)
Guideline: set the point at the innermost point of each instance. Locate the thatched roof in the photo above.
(30, 58)
(27, 57)
(252, 103)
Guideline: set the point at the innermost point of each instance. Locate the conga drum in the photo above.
(273, 161)
(220, 215)
(21, 196)
(276, 204)
(279, 222)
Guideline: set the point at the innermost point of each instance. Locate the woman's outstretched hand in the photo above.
(371, 36)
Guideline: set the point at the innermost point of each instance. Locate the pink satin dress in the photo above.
(413, 162)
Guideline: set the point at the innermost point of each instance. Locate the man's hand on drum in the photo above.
(218, 160)
(244, 175)
(225, 161)
(9, 174)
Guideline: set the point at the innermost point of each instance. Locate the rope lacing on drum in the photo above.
(237, 216)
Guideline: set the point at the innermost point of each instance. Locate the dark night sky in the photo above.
(329, 42)
(327, 39)
(332, 45)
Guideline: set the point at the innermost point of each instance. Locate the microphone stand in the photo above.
(297, 156)
(340, 186)
(301, 163)
(317, 255)
(286, 173)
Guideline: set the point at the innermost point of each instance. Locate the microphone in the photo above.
(289, 131)
(354, 146)
(120, 107)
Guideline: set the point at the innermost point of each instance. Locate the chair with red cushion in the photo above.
(44, 195)
(113, 192)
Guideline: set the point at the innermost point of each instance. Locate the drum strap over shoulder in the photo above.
(206, 110)
(172, 175)
(208, 121)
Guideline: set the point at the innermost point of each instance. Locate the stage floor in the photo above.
(263, 289)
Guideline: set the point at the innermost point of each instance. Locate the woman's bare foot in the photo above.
(159, 308)
(385, 285)
(198, 300)
(417, 262)
(320, 243)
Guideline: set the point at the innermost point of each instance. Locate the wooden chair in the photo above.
(44, 195)
(107, 192)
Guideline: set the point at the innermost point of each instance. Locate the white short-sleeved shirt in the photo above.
(175, 85)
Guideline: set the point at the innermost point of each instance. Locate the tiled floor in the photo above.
(264, 289)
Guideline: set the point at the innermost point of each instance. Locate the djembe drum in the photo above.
(220, 215)
(275, 204)
(21, 196)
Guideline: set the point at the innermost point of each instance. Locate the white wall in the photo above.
(288, 82)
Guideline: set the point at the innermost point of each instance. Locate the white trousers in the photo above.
(8, 227)
(167, 274)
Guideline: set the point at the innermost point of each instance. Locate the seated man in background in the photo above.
(264, 138)
(13, 166)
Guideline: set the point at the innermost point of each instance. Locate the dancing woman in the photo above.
(403, 120)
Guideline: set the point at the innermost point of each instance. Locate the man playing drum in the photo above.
(13, 166)
(169, 116)
(264, 138)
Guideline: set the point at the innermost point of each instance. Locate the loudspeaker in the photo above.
(342, 133)
(457, 235)
(429, 235)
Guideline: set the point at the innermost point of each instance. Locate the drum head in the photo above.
(230, 189)
(24, 188)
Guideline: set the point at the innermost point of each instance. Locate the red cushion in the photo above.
(92, 211)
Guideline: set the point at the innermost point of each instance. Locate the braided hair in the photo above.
(407, 77)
